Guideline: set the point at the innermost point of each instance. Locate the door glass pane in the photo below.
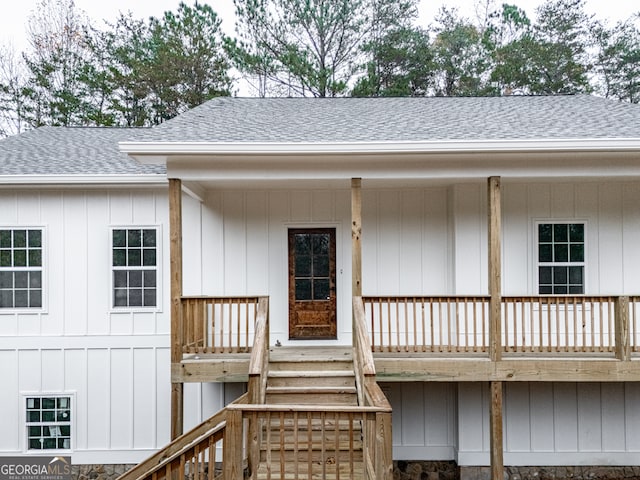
(321, 244)
(303, 265)
(303, 244)
(303, 289)
(321, 266)
(321, 289)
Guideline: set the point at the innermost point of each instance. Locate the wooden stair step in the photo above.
(317, 399)
(335, 382)
(316, 367)
(311, 390)
(312, 373)
(305, 395)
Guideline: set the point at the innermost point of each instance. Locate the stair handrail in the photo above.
(259, 361)
(201, 434)
(377, 437)
(363, 363)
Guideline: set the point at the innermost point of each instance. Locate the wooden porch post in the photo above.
(356, 234)
(495, 270)
(495, 325)
(495, 430)
(623, 349)
(175, 248)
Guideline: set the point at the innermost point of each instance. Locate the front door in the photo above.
(312, 283)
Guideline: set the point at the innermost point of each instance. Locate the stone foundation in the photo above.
(554, 473)
(98, 472)
(419, 470)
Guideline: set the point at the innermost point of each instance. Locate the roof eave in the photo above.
(84, 180)
(157, 152)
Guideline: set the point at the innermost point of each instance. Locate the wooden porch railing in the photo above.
(577, 324)
(634, 324)
(530, 324)
(218, 324)
(330, 441)
(428, 324)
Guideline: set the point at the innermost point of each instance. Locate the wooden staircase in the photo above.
(314, 413)
(327, 444)
(311, 376)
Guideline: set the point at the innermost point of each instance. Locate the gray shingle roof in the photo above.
(71, 151)
(94, 151)
(401, 119)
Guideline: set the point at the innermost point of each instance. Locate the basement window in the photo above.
(561, 258)
(135, 267)
(48, 423)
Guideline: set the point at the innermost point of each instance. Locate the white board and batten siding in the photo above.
(113, 363)
(243, 245)
(429, 240)
(554, 423)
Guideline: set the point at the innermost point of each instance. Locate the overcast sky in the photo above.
(15, 12)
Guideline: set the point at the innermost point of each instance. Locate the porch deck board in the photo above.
(436, 366)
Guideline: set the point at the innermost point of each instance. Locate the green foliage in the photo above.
(307, 47)
(157, 69)
(549, 57)
(134, 73)
(54, 89)
(461, 59)
(142, 72)
(402, 65)
(617, 66)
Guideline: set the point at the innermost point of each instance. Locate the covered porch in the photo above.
(450, 323)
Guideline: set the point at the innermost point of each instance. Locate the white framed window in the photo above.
(134, 260)
(48, 422)
(561, 258)
(21, 267)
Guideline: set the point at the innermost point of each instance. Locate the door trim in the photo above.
(313, 310)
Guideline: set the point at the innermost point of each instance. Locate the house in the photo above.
(478, 257)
